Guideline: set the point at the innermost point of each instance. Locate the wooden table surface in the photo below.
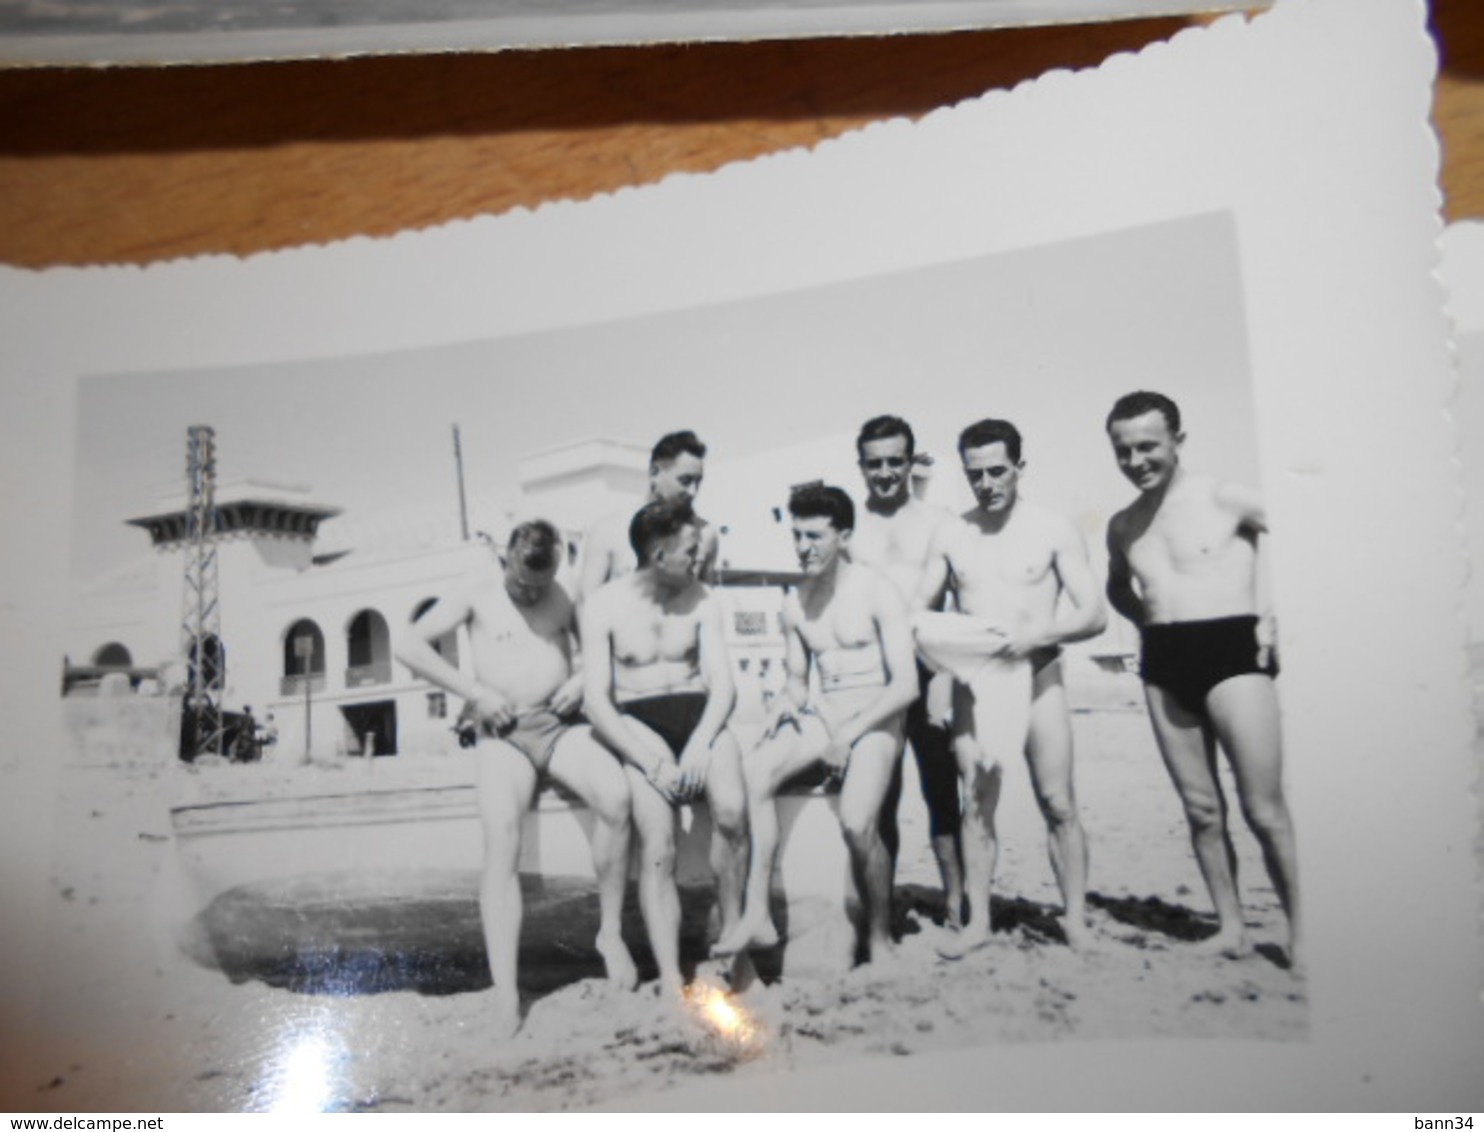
(134, 165)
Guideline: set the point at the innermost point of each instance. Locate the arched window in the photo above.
(113, 655)
(302, 642)
(446, 646)
(368, 648)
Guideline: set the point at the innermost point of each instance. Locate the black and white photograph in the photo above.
(677, 651)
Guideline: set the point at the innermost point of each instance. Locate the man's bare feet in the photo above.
(617, 961)
(958, 943)
(1079, 936)
(505, 1020)
(1228, 943)
(747, 934)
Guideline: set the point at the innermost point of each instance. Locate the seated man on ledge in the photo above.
(851, 623)
(659, 692)
(524, 695)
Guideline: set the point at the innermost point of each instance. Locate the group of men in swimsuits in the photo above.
(921, 628)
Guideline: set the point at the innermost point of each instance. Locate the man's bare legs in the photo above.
(1244, 715)
(768, 766)
(659, 899)
(980, 839)
(726, 797)
(1189, 751)
(1049, 754)
(588, 769)
(505, 784)
(873, 760)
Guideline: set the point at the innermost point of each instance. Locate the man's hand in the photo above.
(665, 777)
(1018, 646)
(567, 699)
(493, 711)
(836, 756)
(695, 761)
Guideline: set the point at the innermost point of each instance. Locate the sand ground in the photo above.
(134, 1024)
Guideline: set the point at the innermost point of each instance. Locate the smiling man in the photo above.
(894, 535)
(524, 695)
(850, 624)
(1024, 587)
(1183, 567)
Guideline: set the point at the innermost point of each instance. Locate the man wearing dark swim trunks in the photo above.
(1183, 567)
(893, 534)
(524, 696)
(659, 691)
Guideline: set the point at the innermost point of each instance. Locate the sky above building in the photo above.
(1047, 337)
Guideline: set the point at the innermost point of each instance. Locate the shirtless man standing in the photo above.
(1183, 568)
(851, 623)
(893, 536)
(523, 694)
(1024, 588)
(658, 692)
(676, 468)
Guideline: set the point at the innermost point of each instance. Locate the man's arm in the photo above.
(721, 696)
(935, 571)
(710, 548)
(794, 694)
(1246, 504)
(567, 699)
(1121, 593)
(596, 620)
(415, 650)
(894, 631)
(1083, 614)
(597, 559)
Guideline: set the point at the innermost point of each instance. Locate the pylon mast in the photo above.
(201, 618)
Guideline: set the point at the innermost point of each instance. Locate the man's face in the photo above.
(817, 544)
(678, 556)
(1146, 451)
(887, 466)
(525, 586)
(993, 476)
(678, 479)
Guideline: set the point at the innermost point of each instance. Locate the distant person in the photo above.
(524, 696)
(676, 469)
(1183, 567)
(893, 535)
(659, 692)
(850, 623)
(1024, 587)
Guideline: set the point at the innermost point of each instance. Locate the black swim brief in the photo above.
(1189, 658)
(673, 716)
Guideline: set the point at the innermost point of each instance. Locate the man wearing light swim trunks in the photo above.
(850, 622)
(524, 696)
(1024, 587)
(893, 535)
(676, 468)
(658, 692)
(1183, 567)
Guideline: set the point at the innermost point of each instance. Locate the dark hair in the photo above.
(672, 444)
(536, 545)
(883, 428)
(655, 522)
(989, 431)
(815, 501)
(1132, 405)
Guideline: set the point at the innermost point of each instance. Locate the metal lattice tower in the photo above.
(201, 617)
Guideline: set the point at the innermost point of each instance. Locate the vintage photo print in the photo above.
(891, 626)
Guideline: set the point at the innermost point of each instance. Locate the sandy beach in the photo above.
(135, 1023)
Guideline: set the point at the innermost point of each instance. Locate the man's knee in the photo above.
(1266, 816)
(728, 814)
(1057, 808)
(1203, 813)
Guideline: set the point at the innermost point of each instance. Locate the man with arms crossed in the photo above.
(1183, 568)
(893, 536)
(658, 692)
(1024, 587)
(851, 623)
(676, 468)
(524, 692)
